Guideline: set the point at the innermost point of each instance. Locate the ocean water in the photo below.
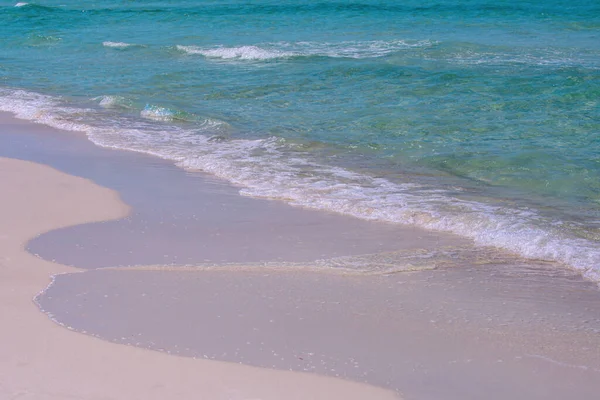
(476, 117)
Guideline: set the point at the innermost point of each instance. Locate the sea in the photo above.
(475, 117)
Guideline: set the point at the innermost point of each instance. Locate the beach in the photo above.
(41, 360)
(289, 199)
(455, 325)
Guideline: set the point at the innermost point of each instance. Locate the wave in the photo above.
(358, 49)
(270, 168)
(120, 45)
(37, 7)
(240, 53)
(158, 113)
(113, 102)
(270, 51)
(165, 114)
(39, 40)
(452, 52)
(541, 60)
(469, 54)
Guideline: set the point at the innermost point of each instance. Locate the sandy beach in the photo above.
(299, 200)
(197, 292)
(41, 360)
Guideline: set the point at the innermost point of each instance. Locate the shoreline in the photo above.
(517, 225)
(264, 200)
(182, 218)
(429, 334)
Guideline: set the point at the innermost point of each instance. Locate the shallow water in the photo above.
(479, 118)
(455, 333)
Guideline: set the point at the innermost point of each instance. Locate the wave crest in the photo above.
(158, 113)
(270, 51)
(239, 53)
(119, 45)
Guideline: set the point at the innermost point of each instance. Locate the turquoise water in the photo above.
(476, 117)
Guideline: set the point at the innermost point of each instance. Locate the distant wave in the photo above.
(42, 40)
(38, 7)
(542, 60)
(357, 49)
(473, 55)
(269, 51)
(240, 53)
(119, 45)
(458, 53)
(267, 168)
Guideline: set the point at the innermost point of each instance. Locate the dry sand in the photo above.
(41, 360)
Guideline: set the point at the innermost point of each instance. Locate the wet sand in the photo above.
(269, 285)
(43, 361)
(183, 217)
(450, 333)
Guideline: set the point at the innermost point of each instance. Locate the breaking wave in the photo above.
(268, 168)
(270, 51)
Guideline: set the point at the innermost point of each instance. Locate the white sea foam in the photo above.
(21, 4)
(240, 53)
(118, 45)
(266, 168)
(543, 57)
(269, 51)
(356, 49)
